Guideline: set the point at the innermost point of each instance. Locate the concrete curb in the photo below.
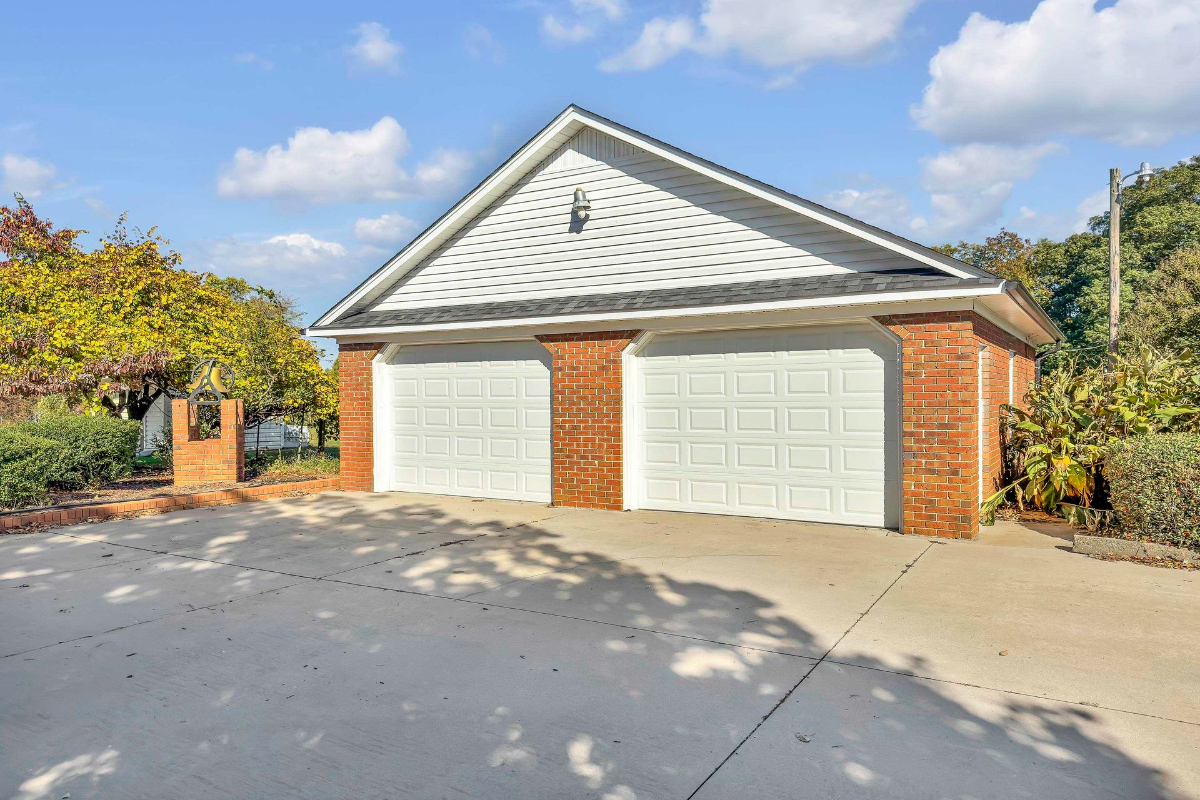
(1107, 546)
(176, 502)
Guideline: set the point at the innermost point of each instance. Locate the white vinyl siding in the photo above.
(653, 225)
(789, 423)
(471, 420)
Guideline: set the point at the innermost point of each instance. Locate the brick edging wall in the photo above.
(179, 502)
(586, 412)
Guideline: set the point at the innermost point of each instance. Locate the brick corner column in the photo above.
(356, 416)
(939, 357)
(233, 439)
(586, 408)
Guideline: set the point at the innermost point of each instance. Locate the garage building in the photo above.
(608, 321)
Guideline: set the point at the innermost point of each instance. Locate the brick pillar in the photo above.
(940, 364)
(939, 358)
(197, 460)
(356, 415)
(586, 412)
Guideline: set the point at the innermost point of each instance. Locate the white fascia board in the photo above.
(900, 300)
(571, 120)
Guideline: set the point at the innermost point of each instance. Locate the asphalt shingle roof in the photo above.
(817, 286)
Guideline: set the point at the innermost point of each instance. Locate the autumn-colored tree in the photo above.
(115, 326)
(1008, 255)
(104, 327)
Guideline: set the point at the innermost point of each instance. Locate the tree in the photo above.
(1070, 278)
(1166, 313)
(1008, 255)
(114, 327)
(279, 372)
(105, 327)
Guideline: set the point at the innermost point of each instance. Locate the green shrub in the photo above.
(1154, 486)
(95, 450)
(25, 463)
(1060, 443)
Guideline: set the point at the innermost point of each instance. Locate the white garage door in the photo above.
(472, 420)
(791, 423)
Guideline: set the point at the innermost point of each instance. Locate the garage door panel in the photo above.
(469, 425)
(807, 420)
(468, 388)
(809, 458)
(785, 423)
(755, 456)
(707, 454)
(807, 382)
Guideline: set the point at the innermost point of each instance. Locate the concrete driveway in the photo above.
(407, 646)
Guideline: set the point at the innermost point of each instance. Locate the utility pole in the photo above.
(1114, 259)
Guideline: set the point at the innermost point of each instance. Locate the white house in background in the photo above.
(268, 435)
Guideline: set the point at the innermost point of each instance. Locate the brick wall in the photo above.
(356, 415)
(586, 412)
(940, 361)
(197, 460)
(996, 385)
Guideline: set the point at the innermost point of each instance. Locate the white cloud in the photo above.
(481, 45)
(255, 60)
(1060, 224)
(969, 185)
(790, 34)
(661, 39)
(568, 34)
(1125, 73)
(99, 207)
(322, 166)
(27, 176)
(375, 50)
(881, 206)
(297, 257)
(613, 10)
(387, 229)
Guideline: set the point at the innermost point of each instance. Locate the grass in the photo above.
(293, 466)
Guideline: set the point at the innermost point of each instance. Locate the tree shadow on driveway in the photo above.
(504, 658)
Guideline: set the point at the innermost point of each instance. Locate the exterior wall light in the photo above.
(581, 206)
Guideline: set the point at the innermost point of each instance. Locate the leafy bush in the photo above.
(1077, 414)
(25, 463)
(94, 450)
(1154, 485)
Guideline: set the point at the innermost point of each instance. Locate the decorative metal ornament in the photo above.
(211, 381)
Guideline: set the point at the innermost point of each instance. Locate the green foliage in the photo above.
(1167, 311)
(1079, 413)
(1154, 484)
(25, 465)
(1070, 277)
(94, 450)
(114, 326)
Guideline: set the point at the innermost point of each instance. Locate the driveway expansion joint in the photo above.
(810, 671)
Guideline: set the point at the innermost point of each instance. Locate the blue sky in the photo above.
(299, 145)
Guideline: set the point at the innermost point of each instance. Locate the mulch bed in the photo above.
(1165, 563)
(144, 484)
